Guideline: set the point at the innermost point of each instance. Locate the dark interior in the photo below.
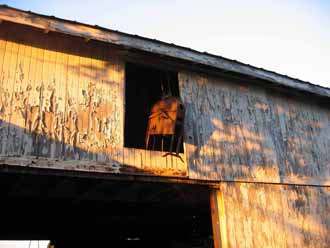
(84, 212)
(143, 89)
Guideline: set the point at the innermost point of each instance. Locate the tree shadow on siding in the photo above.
(278, 215)
(247, 135)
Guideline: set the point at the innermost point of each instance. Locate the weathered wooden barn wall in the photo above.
(62, 101)
(236, 131)
(273, 215)
(59, 97)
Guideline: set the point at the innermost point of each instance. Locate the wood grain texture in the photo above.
(240, 132)
(272, 215)
(62, 99)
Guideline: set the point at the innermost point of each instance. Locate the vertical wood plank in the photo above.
(31, 118)
(63, 57)
(52, 114)
(73, 128)
(3, 38)
(120, 101)
(6, 94)
(215, 219)
(16, 121)
(147, 159)
(186, 93)
(40, 91)
(12, 130)
(24, 101)
(108, 78)
(46, 116)
(85, 90)
(218, 217)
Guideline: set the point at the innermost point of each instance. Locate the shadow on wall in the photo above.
(277, 215)
(240, 132)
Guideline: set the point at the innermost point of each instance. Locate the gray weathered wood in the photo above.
(272, 215)
(236, 132)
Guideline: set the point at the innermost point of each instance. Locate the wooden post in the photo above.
(218, 219)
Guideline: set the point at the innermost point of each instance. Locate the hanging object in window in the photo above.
(166, 120)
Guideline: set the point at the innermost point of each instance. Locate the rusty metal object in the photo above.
(167, 119)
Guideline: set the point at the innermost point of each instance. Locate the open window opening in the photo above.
(154, 112)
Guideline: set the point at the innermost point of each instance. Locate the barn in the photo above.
(114, 140)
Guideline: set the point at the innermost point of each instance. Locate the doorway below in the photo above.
(84, 212)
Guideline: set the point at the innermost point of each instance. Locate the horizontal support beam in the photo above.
(44, 166)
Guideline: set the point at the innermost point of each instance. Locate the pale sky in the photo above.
(291, 37)
(24, 244)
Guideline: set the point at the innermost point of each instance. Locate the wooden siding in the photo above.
(271, 215)
(62, 99)
(240, 132)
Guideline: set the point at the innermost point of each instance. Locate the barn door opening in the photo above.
(86, 212)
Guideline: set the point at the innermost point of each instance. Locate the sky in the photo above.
(288, 37)
(24, 244)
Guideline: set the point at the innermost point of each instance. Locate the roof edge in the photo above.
(51, 23)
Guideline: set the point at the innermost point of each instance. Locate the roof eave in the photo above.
(85, 31)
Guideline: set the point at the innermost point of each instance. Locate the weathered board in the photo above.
(62, 98)
(272, 215)
(241, 132)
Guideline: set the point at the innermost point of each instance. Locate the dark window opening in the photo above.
(144, 87)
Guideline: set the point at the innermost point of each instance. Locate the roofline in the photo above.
(51, 23)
